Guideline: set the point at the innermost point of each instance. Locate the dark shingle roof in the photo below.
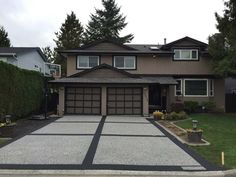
(83, 80)
(144, 47)
(17, 50)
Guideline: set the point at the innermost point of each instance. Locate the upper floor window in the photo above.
(186, 54)
(85, 62)
(125, 62)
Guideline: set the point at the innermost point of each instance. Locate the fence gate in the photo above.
(230, 102)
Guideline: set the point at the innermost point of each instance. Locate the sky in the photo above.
(33, 23)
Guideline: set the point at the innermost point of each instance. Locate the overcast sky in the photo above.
(33, 22)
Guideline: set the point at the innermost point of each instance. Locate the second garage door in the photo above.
(124, 101)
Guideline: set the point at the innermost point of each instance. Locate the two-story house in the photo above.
(109, 78)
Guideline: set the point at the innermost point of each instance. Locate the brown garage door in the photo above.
(124, 101)
(83, 100)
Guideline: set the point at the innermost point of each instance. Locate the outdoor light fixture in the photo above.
(195, 123)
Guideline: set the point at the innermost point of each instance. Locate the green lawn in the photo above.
(220, 131)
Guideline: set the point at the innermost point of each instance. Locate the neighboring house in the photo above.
(109, 78)
(30, 58)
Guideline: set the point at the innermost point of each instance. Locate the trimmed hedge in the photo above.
(21, 91)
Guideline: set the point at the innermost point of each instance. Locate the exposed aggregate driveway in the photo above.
(96, 142)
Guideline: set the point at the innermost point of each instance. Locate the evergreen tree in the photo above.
(222, 46)
(106, 24)
(49, 54)
(70, 36)
(4, 40)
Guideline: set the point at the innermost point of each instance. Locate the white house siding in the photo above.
(31, 61)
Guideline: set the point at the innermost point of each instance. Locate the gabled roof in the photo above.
(104, 66)
(186, 38)
(16, 50)
(106, 40)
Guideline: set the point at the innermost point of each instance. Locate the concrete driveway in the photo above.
(95, 142)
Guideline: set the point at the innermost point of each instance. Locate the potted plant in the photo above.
(157, 115)
(194, 134)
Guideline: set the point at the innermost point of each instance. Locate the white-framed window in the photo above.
(186, 54)
(86, 62)
(196, 87)
(211, 87)
(125, 62)
(178, 88)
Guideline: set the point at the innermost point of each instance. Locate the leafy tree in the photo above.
(70, 36)
(106, 24)
(4, 40)
(222, 45)
(49, 53)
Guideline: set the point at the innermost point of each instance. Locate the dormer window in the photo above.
(86, 62)
(186, 54)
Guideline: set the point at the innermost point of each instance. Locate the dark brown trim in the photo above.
(113, 58)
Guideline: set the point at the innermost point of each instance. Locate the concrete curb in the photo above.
(106, 173)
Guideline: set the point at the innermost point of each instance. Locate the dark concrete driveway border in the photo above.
(87, 162)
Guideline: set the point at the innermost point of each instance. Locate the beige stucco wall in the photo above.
(145, 101)
(61, 101)
(147, 64)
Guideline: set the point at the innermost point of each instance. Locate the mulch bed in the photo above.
(182, 134)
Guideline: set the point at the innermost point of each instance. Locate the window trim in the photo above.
(186, 59)
(211, 81)
(82, 68)
(125, 68)
(207, 89)
(181, 87)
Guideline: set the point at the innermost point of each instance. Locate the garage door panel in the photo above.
(120, 97)
(124, 101)
(87, 97)
(83, 100)
(79, 97)
(120, 104)
(70, 110)
(78, 110)
(70, 97)
(95, 110)
(79, 104)
(137, 104)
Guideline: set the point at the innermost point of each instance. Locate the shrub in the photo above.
(183, 115)
(190, 106)
(174, 115)
(209, 105)
(20, 90)
(177, 107)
